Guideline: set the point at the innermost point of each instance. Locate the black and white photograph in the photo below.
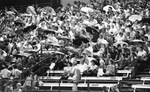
(74, 45)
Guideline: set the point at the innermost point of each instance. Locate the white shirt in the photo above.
(16, 73)
(5, 73)
(141, 53)
(83, 67)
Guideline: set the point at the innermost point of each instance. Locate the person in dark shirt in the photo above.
(126, 51)
(113, 53)
(122, 62)
(119, 49)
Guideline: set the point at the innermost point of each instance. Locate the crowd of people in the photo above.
(97, 38)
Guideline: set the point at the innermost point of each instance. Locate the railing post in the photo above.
(41, 52)
(88, 84)
(120, 85)
(31, 85)
(59, 85)
(0, 84)
(22, 68)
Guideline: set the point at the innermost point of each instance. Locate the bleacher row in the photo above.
(52, 82)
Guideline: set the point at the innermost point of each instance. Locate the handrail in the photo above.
(42, 67)
(33, 55)
(37, 63)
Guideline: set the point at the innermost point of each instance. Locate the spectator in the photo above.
(8, 86)
(18, 88)
(76, 74)
(110, 69)
(5, 73)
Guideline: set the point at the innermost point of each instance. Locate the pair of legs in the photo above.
(75, 86)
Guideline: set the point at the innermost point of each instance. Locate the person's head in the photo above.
(121, 34)
(141, 48)
(15, 66)
(124, 45)
(93, 62)
(74, 63)
(18, 85)
(113, 48)
(69, 64)
(110, 62)
(119, 46)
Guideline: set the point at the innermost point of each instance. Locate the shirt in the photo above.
(16, 73)
(28, 81)
(83, 67)
(17, 90)
(142, 54)
(76, 74)
(5, 73)
(110, 69)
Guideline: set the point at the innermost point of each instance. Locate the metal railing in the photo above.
(33, 88)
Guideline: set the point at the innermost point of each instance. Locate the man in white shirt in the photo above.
(83, 66)
(16, 72)
(5, 73)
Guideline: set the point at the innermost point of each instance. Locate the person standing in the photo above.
(76, 74)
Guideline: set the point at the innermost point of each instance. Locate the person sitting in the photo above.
(9, 86)
(122, 62)
(68, 68)
(142, 58)
(110, 69)
(83, 66)
(18, 88)
(92, 70)
(67, 71)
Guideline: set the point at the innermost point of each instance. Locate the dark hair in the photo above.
(94, 61)
(118, 45)
(124, 45)
(70, 63)
(141, 47)
(111, 61)
(15, 66)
